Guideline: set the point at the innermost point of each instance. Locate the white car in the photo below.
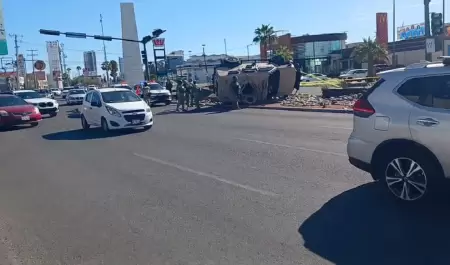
(159, 94)
(56, 91)
(115, 108)
(355, 73)
(75, 96)
(44, 104)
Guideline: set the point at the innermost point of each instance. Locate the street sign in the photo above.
(430, 45)
(39, 65)
(159, 43)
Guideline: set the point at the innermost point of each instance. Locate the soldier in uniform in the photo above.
(187, 94)
(236, 88)
(196, 94)
(180, 95)
(146, 93)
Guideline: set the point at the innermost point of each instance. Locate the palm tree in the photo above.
(371, 51)
(264, 35)
(114, 68)
(284, 53)
(79, 69)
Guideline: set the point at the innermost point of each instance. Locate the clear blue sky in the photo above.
(190, 24)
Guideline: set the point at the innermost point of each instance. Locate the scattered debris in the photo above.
(308, 100)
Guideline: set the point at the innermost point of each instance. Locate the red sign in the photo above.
(159, 43)
(7, 74)
(382, 29)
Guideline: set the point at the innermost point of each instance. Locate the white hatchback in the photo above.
(115, 108)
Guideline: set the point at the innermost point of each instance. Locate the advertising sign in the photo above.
(3, 42)
(54, 59)
(159, 43)
(382, 29)
(411, 31)
(39, 65)
(21, 65)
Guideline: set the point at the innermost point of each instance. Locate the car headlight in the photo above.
(148, 110)
(3, 113)
(36, 110)
(113, 111)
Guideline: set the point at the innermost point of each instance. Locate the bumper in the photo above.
(18, 120)
(74, 101)
(161, 99)
(48, 110)
(130, 121)
(360, 153)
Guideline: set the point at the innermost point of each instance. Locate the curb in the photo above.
(348, 111)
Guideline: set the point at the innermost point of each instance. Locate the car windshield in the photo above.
(29, 95)
(77, 91)
(156, 87)
(119, 96)
(127, 87)
(12, 101)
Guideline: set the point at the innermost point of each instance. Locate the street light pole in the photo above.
(248, 52)
(204, 58)
(394, 59)
(426, 4)
(104, 49)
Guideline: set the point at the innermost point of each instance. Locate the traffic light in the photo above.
(437, 25)
(157, 32)
(144, 57)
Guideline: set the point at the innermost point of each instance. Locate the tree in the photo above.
(79, 69)
(264, 35)
(370, 51)
(114, 68)
(285, 53)
(66, 79)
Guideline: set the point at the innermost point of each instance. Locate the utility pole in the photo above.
(204, 59)
(426, 4)
(394, 59)
(104, 49)
(16, 46)
(32, 55)
(225, 42)
(248, 52)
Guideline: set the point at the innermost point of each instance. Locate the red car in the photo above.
(15, 111)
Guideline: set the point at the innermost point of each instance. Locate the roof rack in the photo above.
(425, 64)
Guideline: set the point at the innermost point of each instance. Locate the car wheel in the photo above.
(34, 124)
(105, 126)
(409, 176)
(84, 123)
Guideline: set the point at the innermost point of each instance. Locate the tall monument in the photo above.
(132, 63)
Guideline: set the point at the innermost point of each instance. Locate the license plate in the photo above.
(135, 121)
(25, 118)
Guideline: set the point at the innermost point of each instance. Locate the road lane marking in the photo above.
(211, 176)
(293, 147)
(337, 127)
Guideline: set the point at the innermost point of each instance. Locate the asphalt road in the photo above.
(237, 187)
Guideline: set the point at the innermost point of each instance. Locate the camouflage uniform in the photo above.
(187, 94)
(180, 96)
(196, 95)
(236, 88)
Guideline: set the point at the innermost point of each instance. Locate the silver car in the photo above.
(75, 96)
(400, 130)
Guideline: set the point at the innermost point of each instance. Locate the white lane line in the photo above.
(293, 147)
(203, 174)
(333, 127)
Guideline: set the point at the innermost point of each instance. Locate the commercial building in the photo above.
(311, 52)
(174, 59)
(54, 64)
(90, 63)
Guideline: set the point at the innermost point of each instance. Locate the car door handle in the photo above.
(428, 122)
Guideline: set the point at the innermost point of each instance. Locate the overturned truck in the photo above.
(260, 81)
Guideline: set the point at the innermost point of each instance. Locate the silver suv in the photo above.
(401, 129)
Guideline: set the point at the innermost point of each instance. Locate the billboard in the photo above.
(159, 43)
(21, 65)
(3, 42)
(411, 31)
(382, 29)
(54, 62)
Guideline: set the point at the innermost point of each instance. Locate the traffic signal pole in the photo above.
(145, 61)
(426, 4)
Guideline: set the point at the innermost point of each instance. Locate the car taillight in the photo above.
(362, 108)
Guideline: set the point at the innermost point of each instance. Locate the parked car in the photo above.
(355, 73)
(115, 108)
(15, 111)
(75, 96)
(44, 104)
(56, 91)
(65, 91)
(400, 129)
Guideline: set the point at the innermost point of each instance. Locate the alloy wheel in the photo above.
(406, 179)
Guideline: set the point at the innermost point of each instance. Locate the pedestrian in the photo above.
(169, 86)
(236, 88)
(298, 78)
(180, 96)
(146, 94)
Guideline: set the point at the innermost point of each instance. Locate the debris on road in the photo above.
(308, 100)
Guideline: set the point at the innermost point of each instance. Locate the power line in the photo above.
(32, 55)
